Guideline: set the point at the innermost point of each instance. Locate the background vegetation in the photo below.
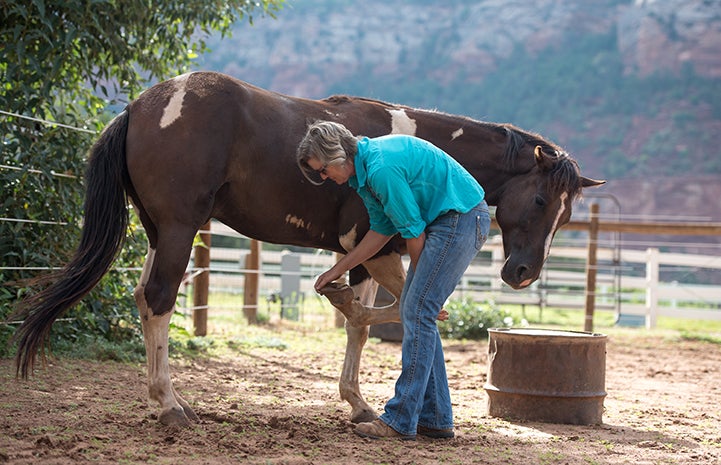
(582, 89)
(573, 86)
(68, 62)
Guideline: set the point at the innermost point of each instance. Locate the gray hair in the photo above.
(327, 142)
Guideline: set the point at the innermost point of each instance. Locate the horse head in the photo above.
(534, 205)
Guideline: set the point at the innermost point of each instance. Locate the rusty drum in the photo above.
(546, 375)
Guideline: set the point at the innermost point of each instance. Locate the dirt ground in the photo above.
(275, 401)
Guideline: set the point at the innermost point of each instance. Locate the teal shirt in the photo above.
(406, 183)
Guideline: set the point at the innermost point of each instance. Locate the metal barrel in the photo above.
(546, 375)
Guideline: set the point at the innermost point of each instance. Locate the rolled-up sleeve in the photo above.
(399, 204)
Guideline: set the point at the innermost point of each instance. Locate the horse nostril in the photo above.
(521, 272)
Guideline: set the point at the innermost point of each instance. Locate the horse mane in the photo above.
(564, 174)
(342, 98)
(566, 177)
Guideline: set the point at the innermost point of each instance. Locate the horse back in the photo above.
(207, 145)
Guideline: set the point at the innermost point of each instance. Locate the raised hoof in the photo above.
(364, 416)
(174, 417)
(338, 294)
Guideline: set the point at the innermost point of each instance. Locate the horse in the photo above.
(206, 145)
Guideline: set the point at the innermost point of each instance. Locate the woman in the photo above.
(411, 188)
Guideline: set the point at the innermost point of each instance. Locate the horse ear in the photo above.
(588, 182)
(538, 151)
(543, 161)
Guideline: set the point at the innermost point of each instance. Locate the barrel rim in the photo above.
(545, 332)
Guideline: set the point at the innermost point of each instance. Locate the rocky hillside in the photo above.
(632, 88)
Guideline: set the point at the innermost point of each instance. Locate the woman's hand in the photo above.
(371, 243)
(327, 278)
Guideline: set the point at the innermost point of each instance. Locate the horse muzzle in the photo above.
(518, 276)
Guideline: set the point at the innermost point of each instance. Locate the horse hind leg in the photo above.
(155, 297)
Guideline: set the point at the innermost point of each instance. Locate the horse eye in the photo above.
(540, 201)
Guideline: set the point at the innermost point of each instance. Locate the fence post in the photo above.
(591, 268)
(652, 262)
(201, 283)
(497, 259)
(251, 283)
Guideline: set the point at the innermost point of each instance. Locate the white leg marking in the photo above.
(173, 109)
(155, 334)
(457, 133)
(549, 238)
(147, 266)
(156, 347)
(401, 123)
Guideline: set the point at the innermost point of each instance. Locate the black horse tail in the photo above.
(103, 233)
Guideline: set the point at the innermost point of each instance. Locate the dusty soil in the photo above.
(260, 404)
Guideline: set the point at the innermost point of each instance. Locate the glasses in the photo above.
(324, 169)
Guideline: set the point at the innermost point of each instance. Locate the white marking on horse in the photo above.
(348, 240)
(155, 334)
(173, 109)
(457, 133)
(297, 222)
(549, 238)
(401, 123)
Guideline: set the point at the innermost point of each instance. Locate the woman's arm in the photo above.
(371, 243)
(415, 247)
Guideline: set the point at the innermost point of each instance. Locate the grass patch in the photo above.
(703, 337)
(90, 347)
(228, 330)
(264, 342)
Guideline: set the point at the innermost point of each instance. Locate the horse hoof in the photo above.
(364, 416)
(190, 414)
(338, 294)
(174, 417)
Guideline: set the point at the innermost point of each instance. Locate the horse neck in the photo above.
(482, 149)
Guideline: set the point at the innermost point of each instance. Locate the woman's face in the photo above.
(338, 171)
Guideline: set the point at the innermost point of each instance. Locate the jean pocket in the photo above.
(483, 227)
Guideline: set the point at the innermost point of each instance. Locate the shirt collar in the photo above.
(359, 162)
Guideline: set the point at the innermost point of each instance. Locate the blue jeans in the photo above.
(421, 392)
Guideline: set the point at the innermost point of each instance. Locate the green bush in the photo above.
(470, 320)
(41, 165)
(97, 347)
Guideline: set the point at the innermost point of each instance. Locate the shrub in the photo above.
(470, 320)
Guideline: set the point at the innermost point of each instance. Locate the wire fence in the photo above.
(613, 265)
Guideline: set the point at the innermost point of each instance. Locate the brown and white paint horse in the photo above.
(205, 145)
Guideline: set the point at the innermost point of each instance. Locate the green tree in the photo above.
(70, 62)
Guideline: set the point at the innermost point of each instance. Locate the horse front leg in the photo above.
(356, 337)
(174, 409)
(349, 384)
(386, 270)
(389, 271)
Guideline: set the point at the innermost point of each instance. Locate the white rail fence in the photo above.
(629, 284)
